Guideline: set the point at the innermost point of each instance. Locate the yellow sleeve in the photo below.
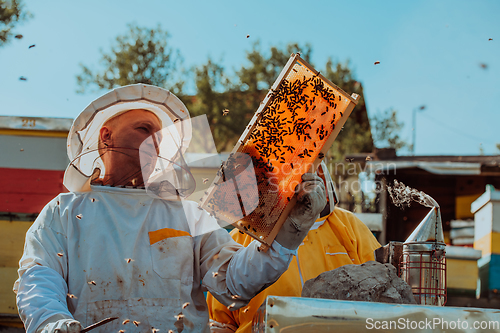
(220, 313)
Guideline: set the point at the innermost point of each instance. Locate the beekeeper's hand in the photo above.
(311, 199)
(63, 326)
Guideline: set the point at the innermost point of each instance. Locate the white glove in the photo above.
(63, 326)
(311, 199)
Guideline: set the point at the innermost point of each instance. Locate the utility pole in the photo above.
(421, 108)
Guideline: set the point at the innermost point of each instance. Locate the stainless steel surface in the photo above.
(429, 229)
(295, 314)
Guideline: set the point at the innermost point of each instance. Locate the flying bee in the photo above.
(71, 296)
(60, 254)
(121, 331)
(235, 296)
(154, 330)
(376, 62)
(179, 316)
(225, 112)
(128, 260)
(126, 321)
(185, 305)
(214, 274)
(92, 199)
(230, 306)
(368, 158)
(205, 180)
(92, 282)
(136, 323)
(79, 216)
(31, 46)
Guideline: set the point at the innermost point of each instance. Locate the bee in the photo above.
(170, 331)
(230, 306)
(215, 257)
(205, 180)
(214, 274)
(92, 199)
(71, 296)
(121, 331)
(248, 36)
(154, 330)
(136, 323)
(176, 120)
(57, 202)
(376, 62)
(235, 296)
(225, 112)
(79, 216)
(179, 316)
(60, 254)
(31, 46)
(185, 305)
(128, 260)
(126, 321)
(21, 149)
(22, 78)
(368, 158)
(246, 310)
(490, 38)
(18, 36)
(92, 282)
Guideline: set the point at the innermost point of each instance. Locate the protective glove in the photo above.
(63, 326)
(311, 199)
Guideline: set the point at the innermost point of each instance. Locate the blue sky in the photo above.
(430, 54)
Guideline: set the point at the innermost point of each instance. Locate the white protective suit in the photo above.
(101, 252)
(80, 245)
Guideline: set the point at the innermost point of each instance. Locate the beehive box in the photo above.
(288, 136)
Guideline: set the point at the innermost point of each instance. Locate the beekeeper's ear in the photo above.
(105, 135)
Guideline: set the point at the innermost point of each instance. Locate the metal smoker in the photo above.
(423, 263)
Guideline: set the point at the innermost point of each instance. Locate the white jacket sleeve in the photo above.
(41, 297)
(41, 287)
(235, 274)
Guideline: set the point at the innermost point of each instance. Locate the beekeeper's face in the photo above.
(121, 138)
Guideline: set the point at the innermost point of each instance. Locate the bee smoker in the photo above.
(423, 263)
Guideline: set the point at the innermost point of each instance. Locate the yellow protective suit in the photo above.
(335, 240)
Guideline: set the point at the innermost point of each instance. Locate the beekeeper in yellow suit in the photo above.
(337, 238)
(124, 244)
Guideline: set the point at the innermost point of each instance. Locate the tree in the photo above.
(142, 55)
(386, 130)
(241, 92)
(12, 12)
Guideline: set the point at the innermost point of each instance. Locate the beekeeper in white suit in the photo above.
(116, 246)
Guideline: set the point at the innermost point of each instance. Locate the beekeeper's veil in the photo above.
(170, 176)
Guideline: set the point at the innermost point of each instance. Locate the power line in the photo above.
(457, 131)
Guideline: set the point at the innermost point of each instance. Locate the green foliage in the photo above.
(240, 93)
(386, 130)
(11, 13)
(141, 55)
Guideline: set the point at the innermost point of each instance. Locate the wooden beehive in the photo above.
(288, 136)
